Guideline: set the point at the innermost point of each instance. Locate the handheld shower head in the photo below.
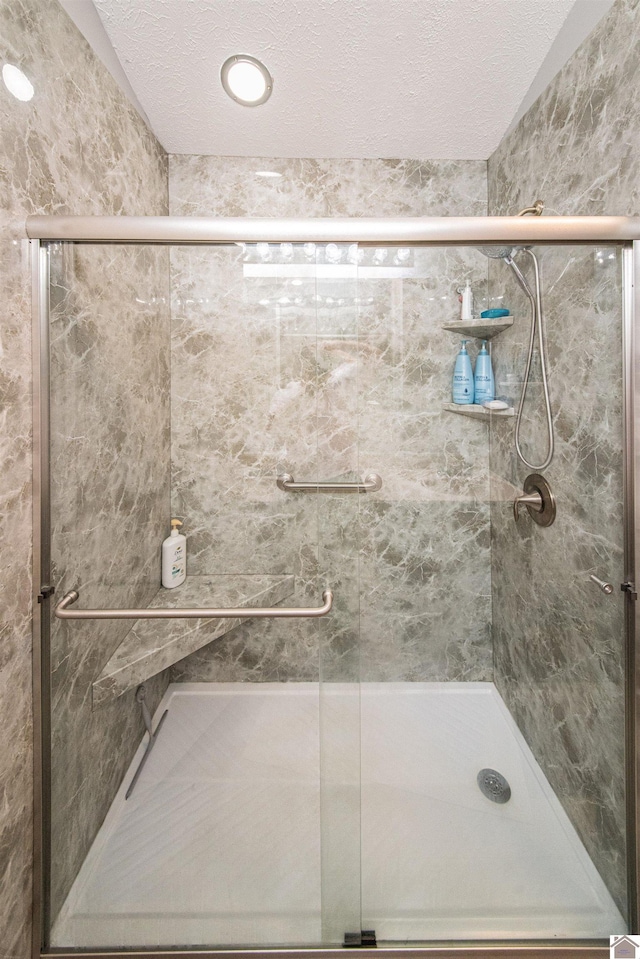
(497, 252)
(507, 253)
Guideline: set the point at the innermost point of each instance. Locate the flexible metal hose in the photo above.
(537, 322)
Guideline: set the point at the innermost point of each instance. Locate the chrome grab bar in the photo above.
(370, 484)
(62, 611)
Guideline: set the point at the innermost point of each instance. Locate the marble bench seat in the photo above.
(152, 645)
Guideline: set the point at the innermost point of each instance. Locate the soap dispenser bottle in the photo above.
(463, 377)
(484, 385)
(174, 557)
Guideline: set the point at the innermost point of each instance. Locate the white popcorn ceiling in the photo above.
(435, 79)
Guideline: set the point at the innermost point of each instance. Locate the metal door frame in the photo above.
(413, 231)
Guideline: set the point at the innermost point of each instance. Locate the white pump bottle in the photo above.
(174, 557)
(466, 312)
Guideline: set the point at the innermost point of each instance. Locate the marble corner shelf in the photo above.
(477, 412)
(152, 645)
(481, 329)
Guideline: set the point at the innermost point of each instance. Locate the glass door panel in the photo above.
(559, 647)
(491, 664)
(186, 389)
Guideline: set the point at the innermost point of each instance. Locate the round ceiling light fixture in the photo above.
(246, 80)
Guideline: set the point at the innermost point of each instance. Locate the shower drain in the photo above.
(494, 786)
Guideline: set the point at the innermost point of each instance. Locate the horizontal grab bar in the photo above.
(62, 611)
(370, 484)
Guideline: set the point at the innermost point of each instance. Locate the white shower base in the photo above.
(220, 842)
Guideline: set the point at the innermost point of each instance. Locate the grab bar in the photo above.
(62, 611)
(370, 484)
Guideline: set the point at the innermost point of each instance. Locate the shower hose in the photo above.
(537, 323)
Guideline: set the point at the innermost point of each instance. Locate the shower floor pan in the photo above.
(220, 842)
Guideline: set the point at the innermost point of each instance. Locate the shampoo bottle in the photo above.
(483, 380)
(174, 557)
(463, 377)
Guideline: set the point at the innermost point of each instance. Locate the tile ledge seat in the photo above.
(153, 645)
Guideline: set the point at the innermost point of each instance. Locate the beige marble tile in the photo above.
(558, 641)
(576, 148)
(76, 147)
(79, 147)
(109, 512)
(560, 668)
(331, 377)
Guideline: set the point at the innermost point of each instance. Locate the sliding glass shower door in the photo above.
(559, 630)
(492, 648)
(208, 384)
(440, 757)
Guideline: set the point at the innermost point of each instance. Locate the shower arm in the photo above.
(62, 611)
(535, 210)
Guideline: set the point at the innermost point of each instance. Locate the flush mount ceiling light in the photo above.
(246, 80)
(17, 83)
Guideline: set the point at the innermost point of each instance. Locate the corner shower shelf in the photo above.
(152, 645)
(481, 329)
(477, 412)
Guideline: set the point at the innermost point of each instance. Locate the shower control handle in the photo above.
(532, 500)
(537, 499)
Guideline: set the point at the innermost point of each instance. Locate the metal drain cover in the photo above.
(494, 786)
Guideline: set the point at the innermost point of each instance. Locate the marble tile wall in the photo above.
(79, 147)
(76, 147)
(329, 377)
(559, 645)
(577, 147)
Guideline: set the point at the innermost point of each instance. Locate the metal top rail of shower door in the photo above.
(62, 611)
(427, 231)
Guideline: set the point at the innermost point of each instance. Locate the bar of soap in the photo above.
(495, 405)
(494, 314)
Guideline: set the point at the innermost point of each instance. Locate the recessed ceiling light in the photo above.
(17, 83)
(246, 80)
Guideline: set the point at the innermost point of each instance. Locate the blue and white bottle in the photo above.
(484, 384)
(463, 377)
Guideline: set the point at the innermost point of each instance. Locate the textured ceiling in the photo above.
(434, 79)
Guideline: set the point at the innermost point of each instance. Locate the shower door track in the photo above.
(409, 231)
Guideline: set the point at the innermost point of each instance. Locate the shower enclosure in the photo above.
(388, 709)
